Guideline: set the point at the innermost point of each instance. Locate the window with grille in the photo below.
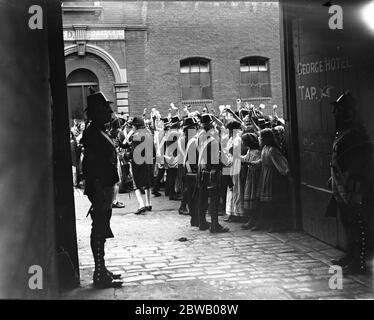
(254, 78)
(195, 79)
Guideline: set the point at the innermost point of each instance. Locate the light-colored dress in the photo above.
(235, 196)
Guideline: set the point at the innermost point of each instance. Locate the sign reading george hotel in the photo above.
(71, 35)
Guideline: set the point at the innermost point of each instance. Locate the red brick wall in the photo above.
(224, 32)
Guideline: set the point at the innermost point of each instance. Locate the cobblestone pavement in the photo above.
(238, 265)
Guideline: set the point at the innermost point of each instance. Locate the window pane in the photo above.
(204, 66)
(244, 77)
(244, 92)
(254, 91)
(185, 69)
(254, 77)
(195, 68)
(185, 66)
(265, 90)
(195, 93)
(244, 62)
(262, 65)
(195, 79)
(205, 79)
(185, 79)
(244, 68)
(253, 68)
(186, 94)
(263, 77)
(207, 93)
(82, 76)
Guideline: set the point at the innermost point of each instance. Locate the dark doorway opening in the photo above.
(79, 84)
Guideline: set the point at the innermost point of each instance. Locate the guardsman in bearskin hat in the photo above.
(209, 172)
(349, 167)
(100, 172)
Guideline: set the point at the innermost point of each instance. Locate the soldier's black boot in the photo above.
(102, 277)
(357, 264)
(346, 259)
(201, 215)
(215, 227)
(114, 276)
(183, 208)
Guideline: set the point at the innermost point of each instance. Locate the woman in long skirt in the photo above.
(273, 184)
(250, 141)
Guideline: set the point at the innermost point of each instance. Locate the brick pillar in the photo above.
(122, 98)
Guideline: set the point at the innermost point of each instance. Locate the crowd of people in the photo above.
(250, 183)
(227, 162)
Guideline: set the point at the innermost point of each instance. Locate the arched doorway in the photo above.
(79, 83)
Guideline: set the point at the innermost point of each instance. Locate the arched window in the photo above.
(79, 83)
(195, 79)
(254, 78)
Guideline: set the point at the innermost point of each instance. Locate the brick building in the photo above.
(143, 54)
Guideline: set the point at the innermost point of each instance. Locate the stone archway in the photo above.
(116, 86)
(119, 74)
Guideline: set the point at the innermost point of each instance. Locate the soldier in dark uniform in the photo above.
(188, 143)
(100, 172)
(209, 174)
(349, 167)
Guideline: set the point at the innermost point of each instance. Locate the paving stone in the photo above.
(133, 267)
(235, 265)
(155, 265)
(212, 276)
(148, 282)
(186, 275)
(139, 278)
(182, 266)
(181, 279)
(304, 278)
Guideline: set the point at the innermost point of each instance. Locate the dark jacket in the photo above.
(350, 168)
(100, 157)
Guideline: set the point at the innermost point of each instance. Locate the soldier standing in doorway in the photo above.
(349, 167)
(100, 172)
